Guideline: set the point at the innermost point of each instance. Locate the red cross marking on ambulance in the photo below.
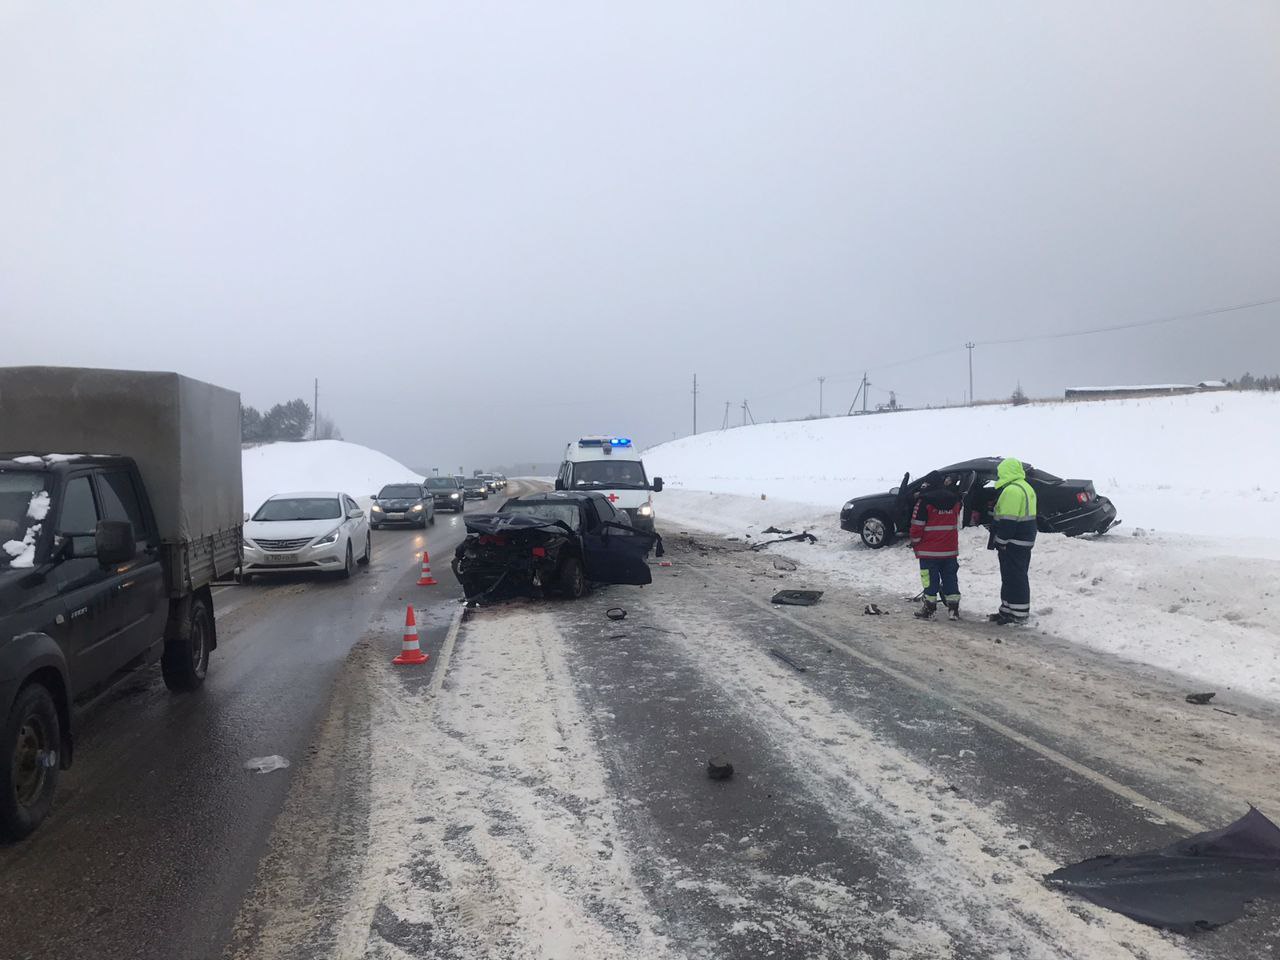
(613, 498)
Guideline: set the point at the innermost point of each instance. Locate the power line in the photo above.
(1197, 315)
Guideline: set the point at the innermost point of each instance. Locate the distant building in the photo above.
(1143, 390)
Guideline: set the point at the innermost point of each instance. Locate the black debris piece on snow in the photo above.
(1195, 884)
(775, 530)
(806, 536)
(871, 610)
(797, 598)
(719, 768)
(616, 613)
(799, 668)
(1200, 698)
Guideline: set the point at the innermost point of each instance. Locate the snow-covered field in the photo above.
(1190, 582)
(323, 465)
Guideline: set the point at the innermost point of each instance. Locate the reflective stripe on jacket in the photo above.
(1016, 509)
(935, 527)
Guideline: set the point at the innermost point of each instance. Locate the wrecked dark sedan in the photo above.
(551, 543)
(1069, 507)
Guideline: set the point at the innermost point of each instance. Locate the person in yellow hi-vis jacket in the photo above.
(1013, 534)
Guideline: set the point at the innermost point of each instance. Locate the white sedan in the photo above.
(306, 532)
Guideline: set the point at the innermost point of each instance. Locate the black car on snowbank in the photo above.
(1069, 507)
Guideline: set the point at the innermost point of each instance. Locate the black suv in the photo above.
(402, 503)
(447, 493)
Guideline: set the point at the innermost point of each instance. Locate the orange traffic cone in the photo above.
(426, 580)
(410, 652)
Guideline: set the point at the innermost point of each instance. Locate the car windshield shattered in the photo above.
(23, 505)
(300, 508)
(567, 513)
(404, 491)
(618, 474)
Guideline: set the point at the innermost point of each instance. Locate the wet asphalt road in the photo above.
(158, 828)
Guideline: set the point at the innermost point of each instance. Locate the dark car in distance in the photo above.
(402, 503)
(1070, 507)
(446, 492)
(556, 542)
(473, 488)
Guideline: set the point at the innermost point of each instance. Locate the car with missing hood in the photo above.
(557, 542)
(402, 503)
(1069, 507)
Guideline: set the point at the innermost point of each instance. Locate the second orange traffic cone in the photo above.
(426, 580)
(410, 651)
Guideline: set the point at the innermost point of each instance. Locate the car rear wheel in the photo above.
(28, 762)
(876, 530)
(571, 581)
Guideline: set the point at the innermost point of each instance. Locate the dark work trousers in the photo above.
(1015, 584)
(940, 574)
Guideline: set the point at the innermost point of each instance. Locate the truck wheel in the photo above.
(187, 642)
(28, 762)
(876, 530)
(350, 566)
(368, 548)
(570, 581)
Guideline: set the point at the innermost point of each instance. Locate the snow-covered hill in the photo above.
(322, 465)
(1187, 583)
(1204, 464)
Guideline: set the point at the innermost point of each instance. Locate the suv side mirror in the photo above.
(656, 486)
(114, 542)
(559, 484)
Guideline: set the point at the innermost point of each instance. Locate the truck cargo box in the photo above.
(183, 434)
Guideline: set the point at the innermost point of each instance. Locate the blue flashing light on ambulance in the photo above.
(612, 466)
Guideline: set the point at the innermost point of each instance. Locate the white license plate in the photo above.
(395, 516)
(282, 558)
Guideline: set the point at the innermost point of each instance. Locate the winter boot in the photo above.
(953, 610)
(1003, 619)
(927, 610)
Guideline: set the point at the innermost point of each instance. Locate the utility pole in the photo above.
(725, 424)
(969, 346)
(821, 381)
(695, 404)
(744, 413)
(315, 412)
(865, 383)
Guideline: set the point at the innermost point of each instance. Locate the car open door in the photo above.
(614, 552)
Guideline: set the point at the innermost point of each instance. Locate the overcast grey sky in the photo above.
(490, 227)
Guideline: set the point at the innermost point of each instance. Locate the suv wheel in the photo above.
(876, 530)
(188, 638)
(28, 762)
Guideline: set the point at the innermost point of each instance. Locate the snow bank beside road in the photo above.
(1197, 464)
(321, 465)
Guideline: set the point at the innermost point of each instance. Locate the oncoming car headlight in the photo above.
(416, 508)
(646, 510)
(453, 496)
(376, 508)
(331, 537)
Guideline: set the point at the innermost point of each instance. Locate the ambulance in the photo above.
(612, 466)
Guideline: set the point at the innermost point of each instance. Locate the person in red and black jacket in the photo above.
(936, 519)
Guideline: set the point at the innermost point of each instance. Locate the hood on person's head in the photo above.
(1010, 469)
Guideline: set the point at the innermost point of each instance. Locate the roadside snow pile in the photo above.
(1204, 606)
(1189, 464)
(320, 465)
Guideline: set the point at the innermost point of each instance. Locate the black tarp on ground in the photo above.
(1195, 884)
